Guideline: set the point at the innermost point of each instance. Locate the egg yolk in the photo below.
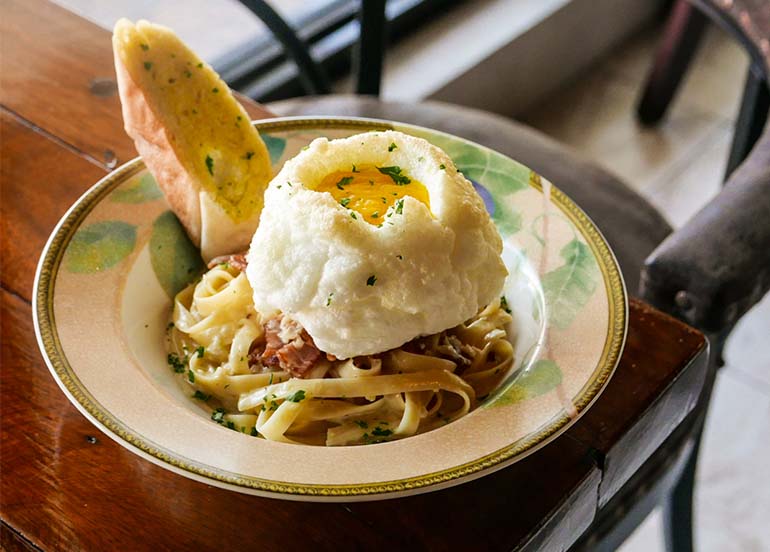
(370, 191)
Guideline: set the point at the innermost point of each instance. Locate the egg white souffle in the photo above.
(359, 284)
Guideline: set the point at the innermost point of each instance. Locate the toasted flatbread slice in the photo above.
(194, 137)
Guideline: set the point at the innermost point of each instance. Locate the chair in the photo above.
(686, 275)
(708, 273)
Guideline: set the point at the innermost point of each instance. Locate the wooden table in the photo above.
(64, 486)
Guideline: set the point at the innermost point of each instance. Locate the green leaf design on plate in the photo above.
(496, 173)
(275, 146)
(138, 191)
(542, 377)
(175, 260)
(569, 287)
(507, 219)
(99, 246)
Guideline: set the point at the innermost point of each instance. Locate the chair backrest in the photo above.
(368, 54)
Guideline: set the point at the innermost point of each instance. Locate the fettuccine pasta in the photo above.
(216, 334)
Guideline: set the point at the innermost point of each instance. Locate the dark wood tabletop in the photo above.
(65, 486)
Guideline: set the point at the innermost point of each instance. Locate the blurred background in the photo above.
(573, 69)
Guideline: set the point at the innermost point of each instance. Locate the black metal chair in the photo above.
(687, 274)
(708, 273)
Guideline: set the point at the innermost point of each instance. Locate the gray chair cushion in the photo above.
(631, 225)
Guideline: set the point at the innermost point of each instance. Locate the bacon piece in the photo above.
(288, 345)
(272, 343)
(255, 358)
(236, 260)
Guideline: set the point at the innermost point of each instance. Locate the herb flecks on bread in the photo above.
(193, 135)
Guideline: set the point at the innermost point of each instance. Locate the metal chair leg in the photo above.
(683, 31)
(678, 508)
(370, 48)
(751, 118)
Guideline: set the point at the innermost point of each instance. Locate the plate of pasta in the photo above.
(378, 336)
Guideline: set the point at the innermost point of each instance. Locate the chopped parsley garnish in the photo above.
(353, 215)
(229, 424)
(376, 214)
(254, 432)
(354, 169)
(362, 424)
(504, 304)
(249, 154)
(399, 206)
(201, 396)
(176, 363)
(187, 73)
(144, 47)
(190, 376)
(345, 201)
(210, 165)
(329, 299)
(148, 65)
(394, 173)
(392, 146)
(380, 432)
(200, 65)
(215, 90)
(384, 200)
(344, 181)
(200, 351)
(239, 117)
(218, 415)
(371, 280)
(442, 166)
(297, 396)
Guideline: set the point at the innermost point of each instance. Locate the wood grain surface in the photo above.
(65, 486)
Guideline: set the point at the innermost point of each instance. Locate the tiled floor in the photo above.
(678, 167)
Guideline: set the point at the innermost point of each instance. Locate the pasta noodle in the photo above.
(426, 383)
